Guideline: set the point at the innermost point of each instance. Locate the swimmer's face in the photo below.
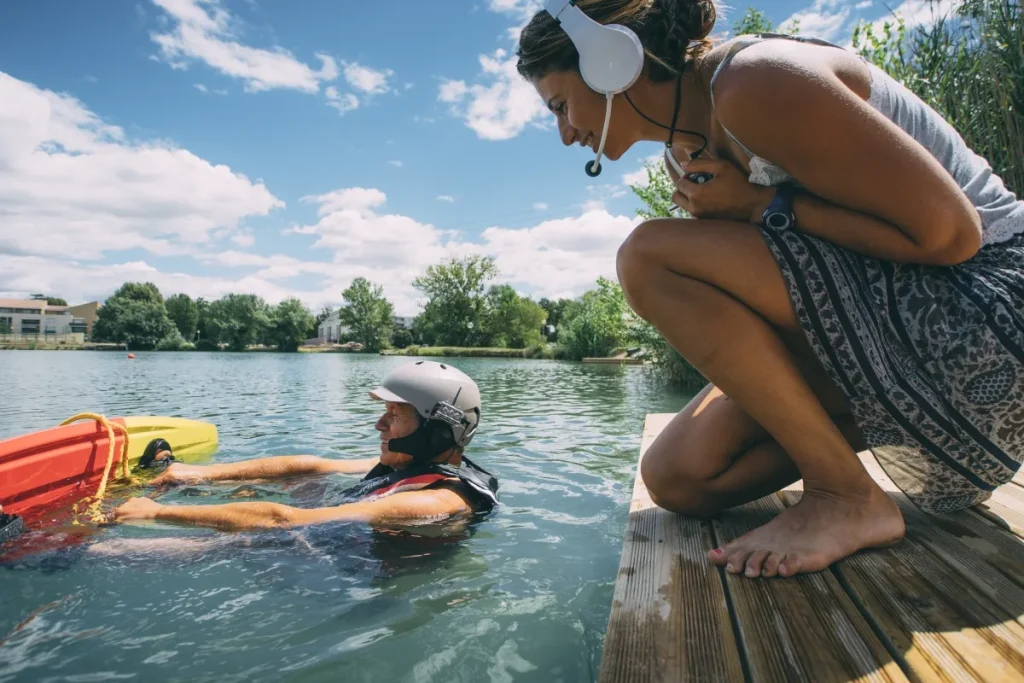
(398, 420)
(580, 111)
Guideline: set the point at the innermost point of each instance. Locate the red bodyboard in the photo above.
(43, 468)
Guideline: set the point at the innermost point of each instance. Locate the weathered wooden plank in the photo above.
(984, 555)
(804, 628)
(1006, 508)
(669, 619)
(949, 624)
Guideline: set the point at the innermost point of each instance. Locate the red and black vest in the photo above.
(384, 481)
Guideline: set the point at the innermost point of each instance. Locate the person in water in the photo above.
(432, 412)
(851, 277)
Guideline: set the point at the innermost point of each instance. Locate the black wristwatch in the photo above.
(779, 214)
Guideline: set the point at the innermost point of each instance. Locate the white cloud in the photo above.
(341, 102)
(201, 31)
(73, 186)
(244, 239)
(639, 176)
(397, 164)
(540, 206)
(600, 194)
(500, 108)
(824, 19)
(201, 88)
(864, 4)
(367, 80)
(445, 198)
(562, 257)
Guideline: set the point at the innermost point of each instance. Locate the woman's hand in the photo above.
(728, 195)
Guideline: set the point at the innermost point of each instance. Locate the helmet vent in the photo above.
(443, 366)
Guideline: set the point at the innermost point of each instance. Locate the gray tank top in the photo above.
(1002, 214)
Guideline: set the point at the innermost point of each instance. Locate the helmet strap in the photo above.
(431, 439)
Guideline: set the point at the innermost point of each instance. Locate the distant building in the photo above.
(404, 322)
(32, 317)
(331, 329)
(87, 314)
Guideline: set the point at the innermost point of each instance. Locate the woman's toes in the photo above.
(737, 560)
(717, 556)
(771, 565)
(755, 562)
(790, 565)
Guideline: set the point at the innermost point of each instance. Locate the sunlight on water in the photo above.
(524, 595)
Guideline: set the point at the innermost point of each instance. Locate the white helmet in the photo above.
(434, 389)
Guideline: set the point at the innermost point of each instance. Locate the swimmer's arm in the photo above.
(409, 506)
(265, 468)
(877, 190)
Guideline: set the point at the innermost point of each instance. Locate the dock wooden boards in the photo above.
(946, 604)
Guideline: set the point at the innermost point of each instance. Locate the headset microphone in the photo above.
(611, 60)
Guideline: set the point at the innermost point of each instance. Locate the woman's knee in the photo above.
(681, 495)
(640, 261)
(678, 484)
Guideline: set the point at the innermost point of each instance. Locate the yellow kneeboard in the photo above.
(190, 440)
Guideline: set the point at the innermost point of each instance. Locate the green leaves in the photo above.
(368, 314)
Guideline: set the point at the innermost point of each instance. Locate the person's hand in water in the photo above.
(136, 508)
(729, 195)
(178, 473)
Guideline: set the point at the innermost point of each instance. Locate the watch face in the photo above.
(777, 221)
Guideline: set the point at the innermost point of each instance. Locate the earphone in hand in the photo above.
(699, 178)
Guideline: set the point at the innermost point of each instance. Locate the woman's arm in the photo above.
(878, 191)
(409, 506)
(264, 468)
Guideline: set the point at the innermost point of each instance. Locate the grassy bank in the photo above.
(541, 352)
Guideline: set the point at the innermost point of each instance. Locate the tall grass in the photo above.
(969, 66)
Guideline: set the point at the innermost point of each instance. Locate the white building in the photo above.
(31, 317)
(331, 329)
(404, 322)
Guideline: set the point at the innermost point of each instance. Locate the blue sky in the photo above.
(283, 149)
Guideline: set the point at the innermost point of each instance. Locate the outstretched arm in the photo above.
(410, 506)
(264, 468)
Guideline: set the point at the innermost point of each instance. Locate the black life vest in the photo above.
(384, 481)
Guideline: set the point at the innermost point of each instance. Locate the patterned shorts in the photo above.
(930, 358)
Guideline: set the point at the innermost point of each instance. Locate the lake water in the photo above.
(524, 596)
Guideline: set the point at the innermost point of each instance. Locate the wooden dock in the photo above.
(945, 604)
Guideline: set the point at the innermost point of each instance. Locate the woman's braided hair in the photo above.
(670, 31)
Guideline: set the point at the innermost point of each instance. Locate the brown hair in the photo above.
(669, 30)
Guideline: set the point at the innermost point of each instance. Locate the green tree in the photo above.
(456, 305)
(291, 321)
(968, 66)
(511, 320)
(401, 338)
(555, 311)
(133, 315)
(596, 324)
(368, 314)
(237, 320)
(50, 300)
(184, 313)
(756, 21)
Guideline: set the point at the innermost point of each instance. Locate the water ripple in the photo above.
(522, 596)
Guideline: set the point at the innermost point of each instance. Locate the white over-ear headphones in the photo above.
(611, 58)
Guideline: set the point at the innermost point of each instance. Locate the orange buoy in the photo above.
(131, 355)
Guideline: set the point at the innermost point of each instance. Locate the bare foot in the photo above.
(821, 529)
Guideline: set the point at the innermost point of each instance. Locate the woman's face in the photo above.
(580, 113)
